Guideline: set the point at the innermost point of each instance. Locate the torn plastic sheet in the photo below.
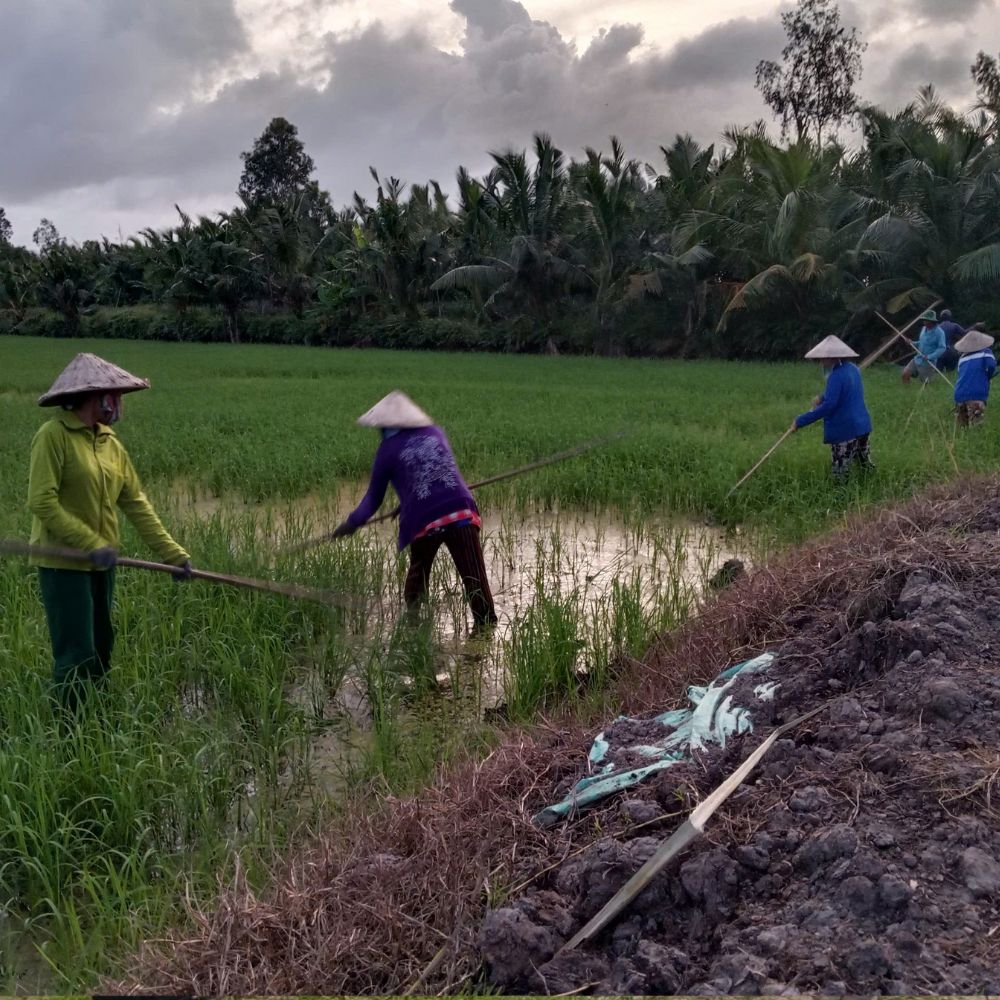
(711, 721)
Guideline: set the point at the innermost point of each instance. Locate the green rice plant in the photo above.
(542, 657)
(231, 720)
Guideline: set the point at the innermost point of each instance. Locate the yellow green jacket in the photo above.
(78, 476)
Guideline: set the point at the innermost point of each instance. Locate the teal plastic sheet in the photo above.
(710, 721)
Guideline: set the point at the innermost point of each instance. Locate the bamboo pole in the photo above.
(19, 548)
(770, 451)
(901, 335)
(560, 456)
(684, 835)
(896, 335)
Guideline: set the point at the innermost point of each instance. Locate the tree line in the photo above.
(749, 247)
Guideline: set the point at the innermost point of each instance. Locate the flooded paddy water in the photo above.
(575, 592)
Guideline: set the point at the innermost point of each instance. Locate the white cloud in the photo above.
(114, 110)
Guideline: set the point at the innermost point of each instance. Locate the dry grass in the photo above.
(391, 902)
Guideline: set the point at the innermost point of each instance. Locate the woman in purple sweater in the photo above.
(436, 507)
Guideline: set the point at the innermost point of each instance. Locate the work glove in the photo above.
(343, 530)
(104, 558)
(183, 572)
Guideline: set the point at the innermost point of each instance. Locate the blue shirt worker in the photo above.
(847, 423)
(976, 368)
(930, 346)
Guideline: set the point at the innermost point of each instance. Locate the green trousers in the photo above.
(78, 612)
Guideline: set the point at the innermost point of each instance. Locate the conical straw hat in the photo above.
(831, 347)
(974, 340)
(89, 373)
(395, 410)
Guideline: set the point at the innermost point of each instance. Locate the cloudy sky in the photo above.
(112, 111)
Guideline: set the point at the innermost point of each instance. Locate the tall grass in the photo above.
(232, 720)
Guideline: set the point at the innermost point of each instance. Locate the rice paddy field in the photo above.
(236, 722)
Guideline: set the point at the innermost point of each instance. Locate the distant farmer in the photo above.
(846, 421)
(976, 368)
(930, 346)
(952, 332)
(80, 472)
(436, 505)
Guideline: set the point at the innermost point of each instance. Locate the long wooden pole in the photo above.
(902, 336)
(770, 451)
(19, 548)
(560, 456)
(690, 830)
(896, 335)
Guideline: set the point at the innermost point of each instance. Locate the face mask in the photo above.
(111, 408)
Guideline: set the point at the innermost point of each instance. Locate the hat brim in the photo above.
(55, 398)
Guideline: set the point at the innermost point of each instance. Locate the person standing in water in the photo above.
(847, 423)
(436, 505)
(79, 474)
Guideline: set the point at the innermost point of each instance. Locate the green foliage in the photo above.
(814, 86)
(734, 250)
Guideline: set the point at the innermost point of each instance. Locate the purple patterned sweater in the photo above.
(422, 469)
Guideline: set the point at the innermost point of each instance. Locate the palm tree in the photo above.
(934, 177)
(608, 187)
(784, 229)
(530, 207)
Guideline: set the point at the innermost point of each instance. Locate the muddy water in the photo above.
(569, 555)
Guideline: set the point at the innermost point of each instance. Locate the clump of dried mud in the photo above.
(862, 856)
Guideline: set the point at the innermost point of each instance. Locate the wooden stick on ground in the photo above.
(684, 835)
(770, 451)
(18, 548)
(896, 335)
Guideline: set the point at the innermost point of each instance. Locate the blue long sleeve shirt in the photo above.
(842, 406)
(952, 331)
(974, 374)
(932, 343)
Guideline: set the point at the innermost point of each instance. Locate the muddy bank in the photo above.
(863, 856)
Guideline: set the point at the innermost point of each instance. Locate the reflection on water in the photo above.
(549, 569)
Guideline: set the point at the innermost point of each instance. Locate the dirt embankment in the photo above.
(862, 856)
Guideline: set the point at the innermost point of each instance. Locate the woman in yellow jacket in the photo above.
(80, 472)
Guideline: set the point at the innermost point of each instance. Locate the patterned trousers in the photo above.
(462, 542)
(970, 413)
(845, 454)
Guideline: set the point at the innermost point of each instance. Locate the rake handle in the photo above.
(900, 334)
(770, 451)
(13, 547)
(896, 334)
(561, 456)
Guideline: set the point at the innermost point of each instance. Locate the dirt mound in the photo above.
(863, 856)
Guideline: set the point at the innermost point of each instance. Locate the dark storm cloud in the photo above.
(947, 67)
(948, 10)
(104, 111)
(724, 53)
(80, 82)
